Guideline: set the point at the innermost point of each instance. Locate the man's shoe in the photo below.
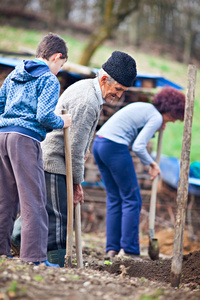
(47, 263)
(112, 253)
(57, 257)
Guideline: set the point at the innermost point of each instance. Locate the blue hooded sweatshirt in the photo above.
(28, 98)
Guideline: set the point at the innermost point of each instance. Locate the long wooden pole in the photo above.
(70, 204)
(182, 192)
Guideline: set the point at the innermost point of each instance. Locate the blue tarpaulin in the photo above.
(170, 168)
(159, 80)
(11, 62)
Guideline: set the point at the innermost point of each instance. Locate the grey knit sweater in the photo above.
(82, 100)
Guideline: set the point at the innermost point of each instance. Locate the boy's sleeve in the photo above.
(46, 105)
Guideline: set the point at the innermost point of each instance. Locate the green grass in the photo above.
(13, 39)
(13, 286)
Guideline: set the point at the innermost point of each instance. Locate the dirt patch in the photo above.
(120, 278)
(160, 270)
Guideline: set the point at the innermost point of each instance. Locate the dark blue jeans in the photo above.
(123, 195)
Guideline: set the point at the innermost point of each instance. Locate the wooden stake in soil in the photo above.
(182, 192)
(70, 202)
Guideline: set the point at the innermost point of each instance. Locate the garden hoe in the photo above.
(70, 205)
(153, 249)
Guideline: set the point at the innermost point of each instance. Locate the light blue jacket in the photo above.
(28, 98)
(134, 125)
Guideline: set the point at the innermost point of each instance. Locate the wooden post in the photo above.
(182, 192)
(70, 202)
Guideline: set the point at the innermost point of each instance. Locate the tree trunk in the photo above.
(94, 42)
(111, 19)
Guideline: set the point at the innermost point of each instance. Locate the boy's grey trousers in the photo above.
(22, 183)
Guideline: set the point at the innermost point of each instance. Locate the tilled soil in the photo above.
(160, 270)
(119, 278)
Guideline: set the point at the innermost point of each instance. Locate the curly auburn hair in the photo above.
(169, 100)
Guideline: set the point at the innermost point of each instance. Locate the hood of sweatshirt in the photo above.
(29, 70)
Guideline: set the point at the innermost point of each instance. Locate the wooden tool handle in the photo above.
(70, 204)
(152, 211)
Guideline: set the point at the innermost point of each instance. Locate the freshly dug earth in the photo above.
(120, 278)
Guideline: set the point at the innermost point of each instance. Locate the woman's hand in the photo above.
(78, 194)
(154, 170)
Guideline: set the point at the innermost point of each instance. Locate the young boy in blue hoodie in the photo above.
(28, 98)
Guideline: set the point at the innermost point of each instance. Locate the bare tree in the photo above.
(165, 25)
(113, 12)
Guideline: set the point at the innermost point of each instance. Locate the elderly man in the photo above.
(83, 100)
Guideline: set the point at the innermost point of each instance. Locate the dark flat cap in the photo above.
(121, 67)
